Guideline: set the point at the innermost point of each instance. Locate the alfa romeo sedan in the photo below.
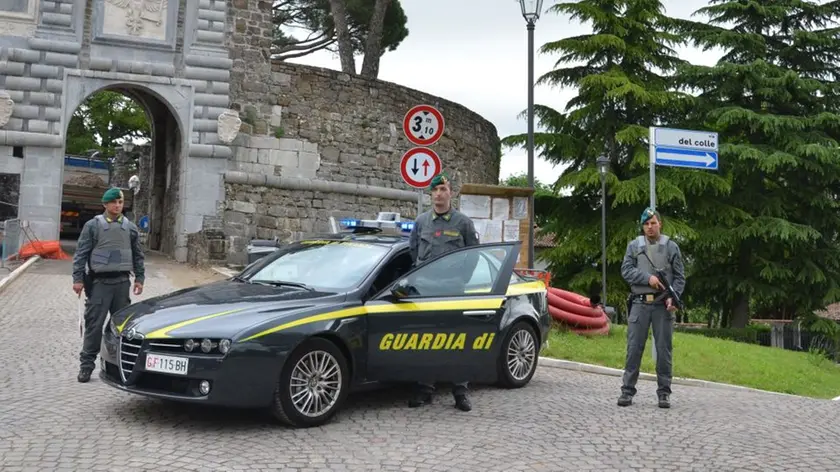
(300, 328)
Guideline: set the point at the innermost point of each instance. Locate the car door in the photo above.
(440, 322)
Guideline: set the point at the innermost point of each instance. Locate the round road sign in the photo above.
(418, 166)
(423, 125)
(144, 223)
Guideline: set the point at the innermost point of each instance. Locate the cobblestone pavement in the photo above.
(562, 421)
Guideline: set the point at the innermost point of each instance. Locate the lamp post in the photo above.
(531, 10)
(603, 166)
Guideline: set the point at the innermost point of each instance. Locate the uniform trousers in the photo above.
(106, 295)
(642, 317)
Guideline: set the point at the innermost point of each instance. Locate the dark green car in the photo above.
(297, 330)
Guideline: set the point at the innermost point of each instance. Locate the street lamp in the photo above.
(603, 167)
(531, 10)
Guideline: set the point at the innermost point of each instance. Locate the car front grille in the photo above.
(129, 350)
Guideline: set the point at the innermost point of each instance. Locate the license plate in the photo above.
(167, 364)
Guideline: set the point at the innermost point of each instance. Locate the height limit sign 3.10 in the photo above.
(423, 125)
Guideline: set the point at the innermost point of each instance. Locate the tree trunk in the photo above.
(373, 45)
(345, 45)
(741, 304)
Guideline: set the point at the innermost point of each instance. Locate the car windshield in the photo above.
(324, 265)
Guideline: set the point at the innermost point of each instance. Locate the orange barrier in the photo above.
(577, 313)
(45, 249)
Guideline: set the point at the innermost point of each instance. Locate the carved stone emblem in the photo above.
(6, 106)
(228, 125)
(139, 11)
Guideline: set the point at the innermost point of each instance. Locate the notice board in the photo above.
(500, 214)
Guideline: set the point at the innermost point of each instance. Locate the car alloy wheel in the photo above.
(312, 385)
(518, 356)
(521, 354)
(315, 384)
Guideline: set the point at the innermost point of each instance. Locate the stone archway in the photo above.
(166, 108)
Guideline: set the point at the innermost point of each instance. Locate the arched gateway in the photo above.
(170, 56)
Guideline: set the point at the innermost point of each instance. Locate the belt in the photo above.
(648, 298)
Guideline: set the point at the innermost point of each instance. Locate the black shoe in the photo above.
(625, 400)
(462, 403)
(84, 374)
(664, 401)
(420, 399)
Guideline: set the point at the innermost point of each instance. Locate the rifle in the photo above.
(660, 274)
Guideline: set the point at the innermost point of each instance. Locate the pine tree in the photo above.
(622, 90)
(769, 244)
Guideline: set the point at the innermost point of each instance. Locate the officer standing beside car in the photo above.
(109, 246)
(650, 304)
(438, 231)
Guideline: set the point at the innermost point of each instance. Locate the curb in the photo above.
(597, 369)
(17, 272)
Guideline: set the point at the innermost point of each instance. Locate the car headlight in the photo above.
(206, 345)
(224, 346)
(113, 328)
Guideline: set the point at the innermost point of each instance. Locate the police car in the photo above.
(302, 327)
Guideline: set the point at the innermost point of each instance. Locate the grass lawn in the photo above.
(716, 360)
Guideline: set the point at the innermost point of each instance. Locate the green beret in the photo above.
(438, 180)
(648, 214)
(112, 194)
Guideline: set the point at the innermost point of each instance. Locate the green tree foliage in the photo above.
(313, 29)
(770, 242)
(105, 121)
(619, 70)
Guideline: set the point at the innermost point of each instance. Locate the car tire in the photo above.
(522, 338)
(316, 350)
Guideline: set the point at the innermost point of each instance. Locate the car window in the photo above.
(485, 273)
(474, 270)
(322, 264)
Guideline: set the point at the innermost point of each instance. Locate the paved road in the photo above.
(562, 421)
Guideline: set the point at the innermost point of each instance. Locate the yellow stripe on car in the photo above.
(164, 332)
(526, 288)
(387, 307)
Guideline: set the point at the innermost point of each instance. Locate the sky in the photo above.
(475, 52)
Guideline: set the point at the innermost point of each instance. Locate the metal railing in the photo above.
(11, 232)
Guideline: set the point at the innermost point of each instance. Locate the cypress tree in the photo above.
(769, 245)
(622, 89)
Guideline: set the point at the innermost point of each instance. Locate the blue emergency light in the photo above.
(404, 226)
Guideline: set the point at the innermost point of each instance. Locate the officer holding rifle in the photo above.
(654, 269)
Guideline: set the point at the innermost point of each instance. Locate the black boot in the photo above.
(420, 399)
(664, 401)
(625, 400)
(462, 402)
(84, 374)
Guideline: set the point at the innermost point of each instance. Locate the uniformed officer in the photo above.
(438, 231)
(110, 248)
(650, 304)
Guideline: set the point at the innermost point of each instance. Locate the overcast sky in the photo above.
(475, 52)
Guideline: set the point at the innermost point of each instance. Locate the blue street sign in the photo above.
(692, 158)
(143, 224)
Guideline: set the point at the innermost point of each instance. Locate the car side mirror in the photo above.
(403, 289)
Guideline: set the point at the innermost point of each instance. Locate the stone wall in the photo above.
(325, 126)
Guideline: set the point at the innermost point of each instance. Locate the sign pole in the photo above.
(652, 156)
(419, 203)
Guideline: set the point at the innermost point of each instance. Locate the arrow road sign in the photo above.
(675, 157)
(681, 148)
(423, 125)
(418, 166)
